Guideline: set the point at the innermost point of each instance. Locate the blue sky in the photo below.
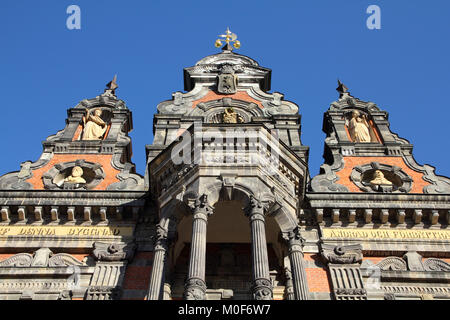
(45, 68)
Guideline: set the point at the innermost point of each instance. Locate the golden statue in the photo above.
(359, 128)
(229, 116)
(94, 126)
(378, 178)
(76, 177)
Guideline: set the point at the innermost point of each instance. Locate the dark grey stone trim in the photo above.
(376, 200)
(61, 198)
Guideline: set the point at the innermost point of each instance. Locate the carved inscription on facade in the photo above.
(71, 231)
(386, 234)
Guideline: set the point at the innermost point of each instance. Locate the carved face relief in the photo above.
(227, 83)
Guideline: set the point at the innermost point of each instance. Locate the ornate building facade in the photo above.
(227, 208)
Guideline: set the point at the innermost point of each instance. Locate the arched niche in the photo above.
(365, 119)
(400, 181)
(93, 174)
(106, 115)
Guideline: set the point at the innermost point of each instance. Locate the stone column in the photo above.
(262, 287)
(289, 289)
(155, 291)
(300, 284)
(195, 286)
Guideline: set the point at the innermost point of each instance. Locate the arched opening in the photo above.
(228, 269)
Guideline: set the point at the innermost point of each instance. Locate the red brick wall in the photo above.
(240, 95)
(317, 277)
(351, 162)
(137, 276)
(104, 160)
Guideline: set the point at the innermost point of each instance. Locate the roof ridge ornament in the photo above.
(111, 87)
(229, 37)
(343, 90)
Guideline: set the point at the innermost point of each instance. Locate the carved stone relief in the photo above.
(17, 181)
(43, 257)
(412, 261)
(344, 265)
(229, 116)
(376, 177)
(348, 254)
(75, 175)
(227, 80)
(392, 264)
(326, 181)
(113, 252)
(127, 179)
(433, 264)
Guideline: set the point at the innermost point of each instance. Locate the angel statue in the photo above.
(94, 126)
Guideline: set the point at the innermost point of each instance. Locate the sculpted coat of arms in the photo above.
(227, 82)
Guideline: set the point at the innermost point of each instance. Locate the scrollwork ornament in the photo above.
(113, 252)
(348, 254)
(389, 296)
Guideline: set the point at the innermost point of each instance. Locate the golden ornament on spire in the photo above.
(229, 37)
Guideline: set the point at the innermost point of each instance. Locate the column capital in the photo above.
(295, 240)
(161, 239)
(201, 208)
(255, 209)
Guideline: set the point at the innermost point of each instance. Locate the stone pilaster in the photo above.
(195, 286)
(300, 285)
(159, 260)
(262, 287)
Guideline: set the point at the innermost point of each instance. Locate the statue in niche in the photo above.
(229, 116)
(76, 177)
(379, 179)
(94, 126)
(359, 128)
